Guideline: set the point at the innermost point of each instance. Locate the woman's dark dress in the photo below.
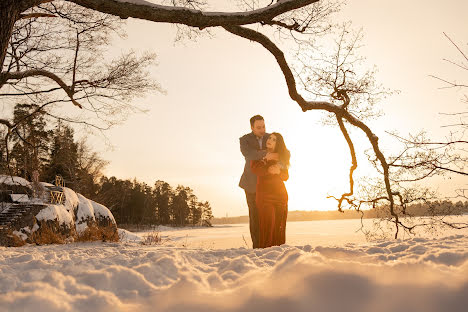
(272, 203)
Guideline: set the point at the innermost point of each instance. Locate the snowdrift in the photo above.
(419, 274)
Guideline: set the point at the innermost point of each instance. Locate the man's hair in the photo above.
(254, 118)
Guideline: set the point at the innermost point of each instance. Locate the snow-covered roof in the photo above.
(12, 180)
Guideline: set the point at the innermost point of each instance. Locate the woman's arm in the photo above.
(284, 175)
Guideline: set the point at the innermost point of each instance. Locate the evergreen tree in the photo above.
(63, 157)
(136, 203)
(90, 167)
(115, 195)
(163, 195)
(195, 210)
(30, 142)
(207, 214)
(149, 212)
(180, 206)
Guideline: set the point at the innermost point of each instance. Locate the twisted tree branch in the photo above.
(253, 35)
(44, 73)
(190, 17)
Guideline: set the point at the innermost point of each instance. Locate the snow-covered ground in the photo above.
(332, 232)
(325, 266)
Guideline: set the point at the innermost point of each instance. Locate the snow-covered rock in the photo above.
(75, 217)
(84, 214)
(55, 213)
(71, 199)
(102, 214)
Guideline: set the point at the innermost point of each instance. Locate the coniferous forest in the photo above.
(35, 146)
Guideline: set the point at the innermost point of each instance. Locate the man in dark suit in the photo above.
(253, 147)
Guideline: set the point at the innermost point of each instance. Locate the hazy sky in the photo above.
(215, 84)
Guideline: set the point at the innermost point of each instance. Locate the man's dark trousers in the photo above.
(253, 218)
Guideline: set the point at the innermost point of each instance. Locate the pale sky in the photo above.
(190, 135)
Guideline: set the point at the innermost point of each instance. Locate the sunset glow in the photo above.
(214, 85)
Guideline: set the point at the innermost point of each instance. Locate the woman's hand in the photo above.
(271, 156)
(274, 169)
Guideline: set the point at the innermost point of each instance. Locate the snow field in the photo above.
(420, 274)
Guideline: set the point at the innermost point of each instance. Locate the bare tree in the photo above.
(55, 57)
(49, 57)
(426, 157)
(339, 90)
(421, 158)
(449, 156)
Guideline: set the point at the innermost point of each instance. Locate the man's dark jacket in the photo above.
(251, 150)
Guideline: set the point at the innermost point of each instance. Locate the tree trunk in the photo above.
(9, 12)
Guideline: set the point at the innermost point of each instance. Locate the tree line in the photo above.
(36, 147)
(430, 208)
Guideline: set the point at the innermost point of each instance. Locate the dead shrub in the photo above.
(151, 238)
(46, 234)
(95, 233)
(8, 239)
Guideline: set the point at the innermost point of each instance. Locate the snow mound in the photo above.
(129, 237)
(84, 214)
(55, 212)
(425, 275)
(71, 199)
(101, 212)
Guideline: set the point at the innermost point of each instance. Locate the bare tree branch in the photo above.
(44, 73)
(190, 17)
(320, 105)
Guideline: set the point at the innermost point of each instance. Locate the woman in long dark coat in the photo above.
(272, 197)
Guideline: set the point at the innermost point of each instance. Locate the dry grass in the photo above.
(51, 234)
(46, 235)
(151, 238)
(9, 239)
(94, 233)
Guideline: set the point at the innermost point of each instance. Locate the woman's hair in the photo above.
(281, 149)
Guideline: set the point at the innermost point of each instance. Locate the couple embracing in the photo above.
(266, 167)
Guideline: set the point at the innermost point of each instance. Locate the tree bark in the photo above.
(9, 13)
(190, 17)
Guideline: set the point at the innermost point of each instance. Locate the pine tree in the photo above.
(63, 157)
(163, 195)
(180, 205)
(30, 142)
(207, 214)
(90, 167)
(195, 210)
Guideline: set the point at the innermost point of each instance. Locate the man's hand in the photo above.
(275, 169)
(272, 156)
